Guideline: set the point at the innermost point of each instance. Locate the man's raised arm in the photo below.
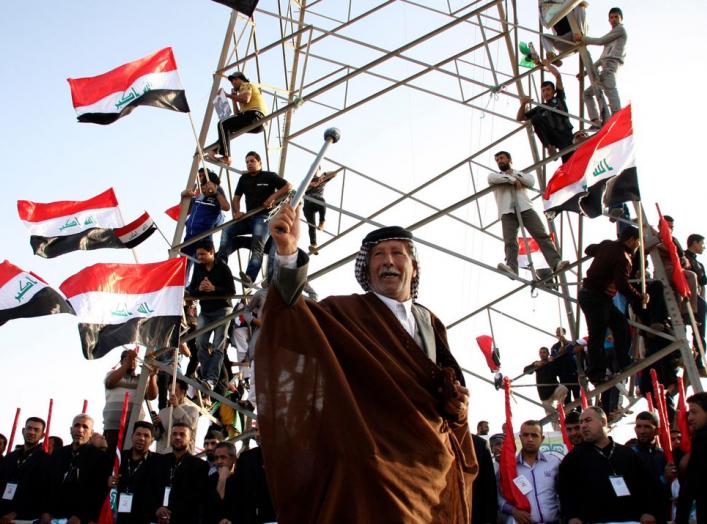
(291, 264)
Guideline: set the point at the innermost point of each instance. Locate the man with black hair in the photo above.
(607, 275)
(181, 486)
(554, 130)
(139, 472)
(611, 59)
(509, 188)
(248, 108)
(314, 205)
(602, 481)
(574, 431)
(208, 199)
(550, 391)
(78, 476)
(664, 472)
(221, 493)
(118, 382)
(213, 285)
(692, 487)
(24, 486)
(696, 246)
(182, 411)
(484, 509)
(211, 440)
(261, 189)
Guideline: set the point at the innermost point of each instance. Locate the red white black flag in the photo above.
(149, 81)
(120, 304)
(601, 172)
(24, 295)
(242, 6)
(57, 228)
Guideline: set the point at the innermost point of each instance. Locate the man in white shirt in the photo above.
(509, 188)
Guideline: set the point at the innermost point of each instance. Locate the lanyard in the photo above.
(132, 470)
(173, 470)
(73, 467)
(608, 457)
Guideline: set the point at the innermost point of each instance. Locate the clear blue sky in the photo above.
(402, 139)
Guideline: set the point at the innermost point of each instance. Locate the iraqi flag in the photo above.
(538, 259)
(242, 6)
(119, 304)
(24, 295)
(57, 228)
(136, 231)
(601, 172)
(149, 81)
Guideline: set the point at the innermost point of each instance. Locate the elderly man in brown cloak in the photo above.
(362, 408)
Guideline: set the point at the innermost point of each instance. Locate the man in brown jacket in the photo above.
(364, 409)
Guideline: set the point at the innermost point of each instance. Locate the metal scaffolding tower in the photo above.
(326, 62)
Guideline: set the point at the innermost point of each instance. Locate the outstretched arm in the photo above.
(290, 274)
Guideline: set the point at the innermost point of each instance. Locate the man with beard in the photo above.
(602, 481)
(24, 475)
(182, 482)
(139, 472)
(221, 493)
(374, 403)
(511, 198)
(574, 431)
(78, 476)
(211, 439)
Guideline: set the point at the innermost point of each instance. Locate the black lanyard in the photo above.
(173, 470)
(72, 474)
(133, 470)
(608, 457)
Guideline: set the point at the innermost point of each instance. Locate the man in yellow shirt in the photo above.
(248, 108)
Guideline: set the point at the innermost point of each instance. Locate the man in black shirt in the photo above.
(181, 487)
(213, 285)
(692, 487)
(140, 470)
(261, 190)
(221, 496)
(696, 246)
(253, 504)
(313, 205)
(550, 390)
(484, 491)
(602, 481)
(78, 476)
(23, 480)
(553, 129)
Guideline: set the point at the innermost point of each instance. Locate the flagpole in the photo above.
(12, 433)
(173, 392)
(642, 253)
(85, 407)
(49, 425)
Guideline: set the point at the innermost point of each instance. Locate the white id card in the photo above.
(619, 485)
(523, 484)
(125, 503)
(165, 499)
(9, 493)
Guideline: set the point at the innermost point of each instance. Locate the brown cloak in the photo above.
(350, 417)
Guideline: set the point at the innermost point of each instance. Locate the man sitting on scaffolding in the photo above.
(248, 108)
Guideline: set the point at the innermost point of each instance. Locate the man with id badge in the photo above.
(24, 476)
(601, 481)
(537, 475)
(181, 488)
(139, 470)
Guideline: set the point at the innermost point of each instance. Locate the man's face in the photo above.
(544, 354)
(132, 361)
(615, 19)
(483, 428)
(496, 449)
(3, 445)
(592, 425)
(645, 431)
(559, 333)
(204, 256)
(236, 83)
(223, 459)
(547, 92)
(181, 437)
(142, 440)
(391, 269)
(252, 164)
(632, 244)
(697, 247)
(209, 447)
(503, 162)
(530, 438)
(574, 433)
(696, 416)
(675, 439)
(81, 431)
(32, 433)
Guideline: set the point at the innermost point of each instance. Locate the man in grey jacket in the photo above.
(611, 59)
(509, 189)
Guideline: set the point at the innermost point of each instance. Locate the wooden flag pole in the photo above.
(49, 425)
(12, 433)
